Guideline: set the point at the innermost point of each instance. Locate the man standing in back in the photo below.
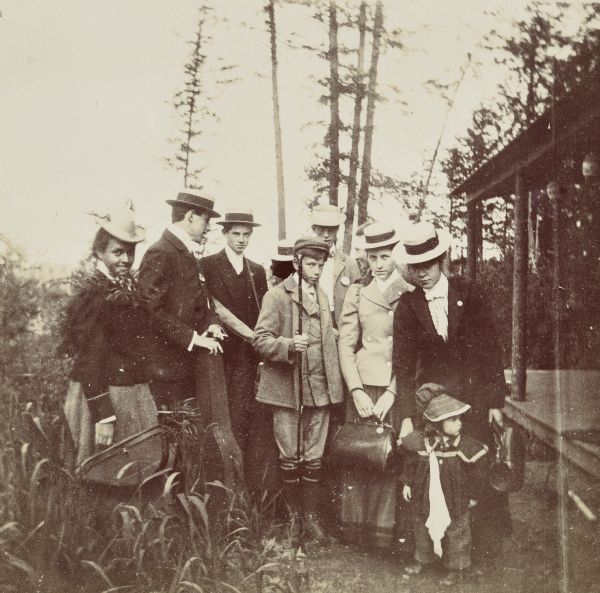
(340, 270)
(239, 284)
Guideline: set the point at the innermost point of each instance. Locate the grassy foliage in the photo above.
(60, 535)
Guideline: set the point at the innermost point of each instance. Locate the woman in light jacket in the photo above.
(368, 508)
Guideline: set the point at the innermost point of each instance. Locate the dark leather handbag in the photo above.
(363, 445)
(130, 461)
(507, 473)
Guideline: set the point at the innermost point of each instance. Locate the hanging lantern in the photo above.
(589, 166)
(553, 190)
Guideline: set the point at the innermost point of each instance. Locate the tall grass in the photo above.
(59, 535)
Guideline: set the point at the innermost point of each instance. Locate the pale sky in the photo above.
(85, 112)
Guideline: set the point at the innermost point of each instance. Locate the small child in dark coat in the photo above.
(443, 479)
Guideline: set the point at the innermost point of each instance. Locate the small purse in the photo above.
(129, 462)
(363, 445)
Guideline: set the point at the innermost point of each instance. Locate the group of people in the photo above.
(403, 344)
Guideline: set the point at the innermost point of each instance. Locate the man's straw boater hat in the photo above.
(285, 251)
(326, 215)
(423, 243)
(378, 235)
(120, 223)
(192, 198)
(239, 216)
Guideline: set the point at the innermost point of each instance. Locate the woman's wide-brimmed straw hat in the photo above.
(379, 235)
(422, 243)
(193, 199)
(120, 223)
(239, 216)
(285, 251)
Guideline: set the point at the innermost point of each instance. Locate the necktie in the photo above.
(439, 516)
(439, 314)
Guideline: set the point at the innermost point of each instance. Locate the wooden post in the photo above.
(472, 236)
(519, 303)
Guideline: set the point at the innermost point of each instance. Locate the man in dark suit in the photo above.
(239, 284)
(173, 287)
(444, 333)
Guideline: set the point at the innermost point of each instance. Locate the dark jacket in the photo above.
(222, 283)
(468, 365)
(176, 297)
(462, 471)
(105, 330)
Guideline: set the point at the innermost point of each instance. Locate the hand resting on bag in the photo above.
(363, 403)
(383, 405)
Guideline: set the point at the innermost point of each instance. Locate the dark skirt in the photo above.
(369, 504)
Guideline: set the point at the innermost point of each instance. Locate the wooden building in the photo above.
(555, 158)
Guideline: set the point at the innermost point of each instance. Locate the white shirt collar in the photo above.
(383, 285)
(440, 290)
(101, 267)
(235, 259)
(332, 250)
(190, 245)
(306, 287)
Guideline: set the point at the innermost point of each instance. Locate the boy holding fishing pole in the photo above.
(301, 380)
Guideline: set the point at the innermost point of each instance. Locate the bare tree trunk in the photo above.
(359, 90)
(270, 8)
(365, 179)
(333, 134)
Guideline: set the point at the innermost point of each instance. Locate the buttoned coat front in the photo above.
(273, 339)
(219, 275)
(345, 273)
(176, 297)
(366, 327)
(468, 365)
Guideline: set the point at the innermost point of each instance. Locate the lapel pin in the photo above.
(345, 280)
(459, 303)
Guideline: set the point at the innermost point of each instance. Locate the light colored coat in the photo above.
(366, 328)
(345, 273)
(273, 339)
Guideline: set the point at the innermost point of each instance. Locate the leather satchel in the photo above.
(363, 445)
(129, 462)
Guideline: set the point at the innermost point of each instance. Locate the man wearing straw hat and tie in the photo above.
(340, 270)
(239, 284)
(183, 318)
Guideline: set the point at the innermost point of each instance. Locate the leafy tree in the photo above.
(19, 304)
(192, 103)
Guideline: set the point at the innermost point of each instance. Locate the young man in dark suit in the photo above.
(173, 287)
(239, 284)
(444, 333)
